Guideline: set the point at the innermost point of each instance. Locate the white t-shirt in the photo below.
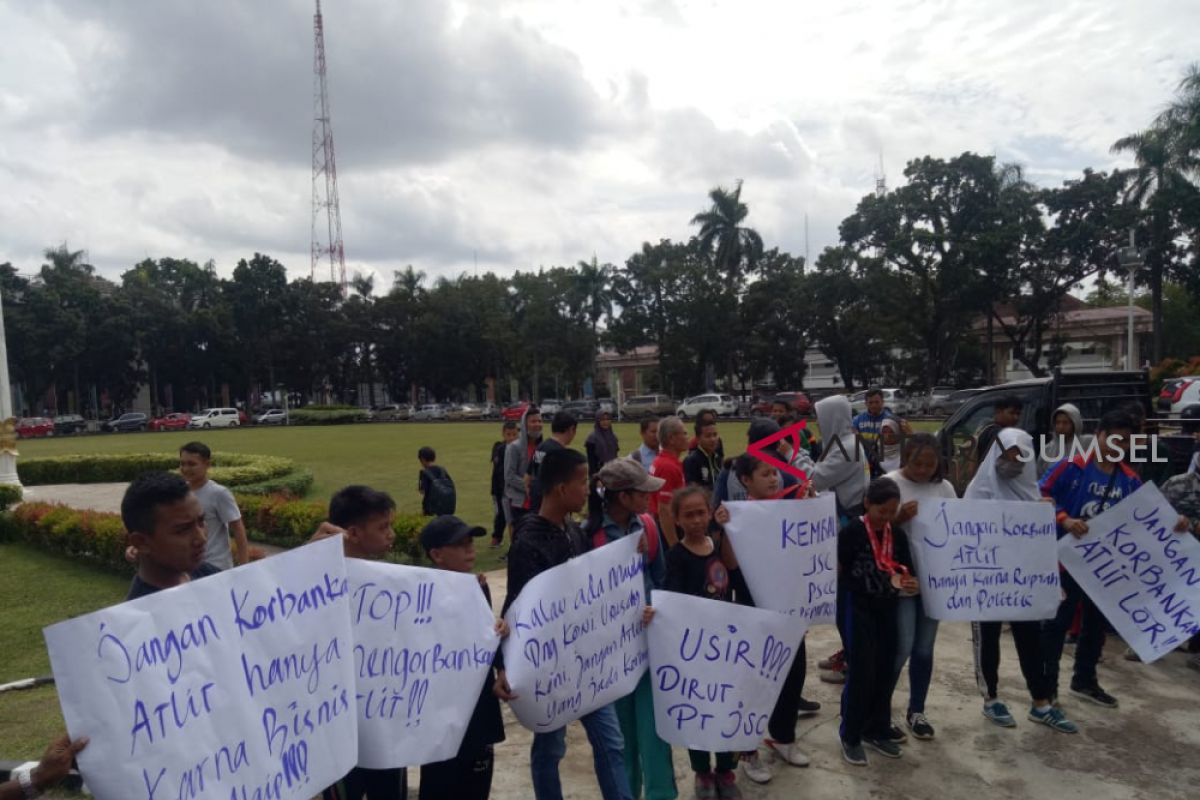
(921, 492)
(220, 509)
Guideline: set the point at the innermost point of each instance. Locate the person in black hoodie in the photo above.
(543, 540)
(500, 522)
(874, 569)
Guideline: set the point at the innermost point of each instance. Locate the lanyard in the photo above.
(883, 552)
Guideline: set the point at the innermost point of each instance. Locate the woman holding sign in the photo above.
(1008, 473)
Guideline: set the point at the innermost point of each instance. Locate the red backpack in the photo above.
(599, 539)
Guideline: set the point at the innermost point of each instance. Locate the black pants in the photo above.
(869, 635)
(499, 523)
(782, 724)
(461, 778)
(1091, 637)
(375, 784)
(1027, 636)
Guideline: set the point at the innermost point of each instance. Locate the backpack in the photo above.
(441, 494)
(648, 524)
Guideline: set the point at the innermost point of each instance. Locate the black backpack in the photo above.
(441, 495)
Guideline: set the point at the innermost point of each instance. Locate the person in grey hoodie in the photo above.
(1066, 430)
(843, 468)
(516, 464)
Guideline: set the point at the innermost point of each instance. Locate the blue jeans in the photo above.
(608, 753)
(916, 634)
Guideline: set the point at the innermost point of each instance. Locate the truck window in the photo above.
(960, 439)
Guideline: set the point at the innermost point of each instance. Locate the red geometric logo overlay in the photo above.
(792, 433)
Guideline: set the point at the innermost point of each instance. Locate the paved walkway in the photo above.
(1145, 749)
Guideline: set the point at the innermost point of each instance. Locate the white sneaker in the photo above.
(788, 752)
(755, 769)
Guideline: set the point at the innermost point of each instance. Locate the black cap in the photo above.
(446, 530)
(761, 428)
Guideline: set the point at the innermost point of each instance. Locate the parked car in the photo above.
(550, 406)
(799, 402)
(514, 411)
(723, 404)
(470, 411)
(950, 404)
(648, 405)
(131, 421)
(580, 409)
(894, 400)
(35, 427)
(489, 411)
(216, 418)
(1178, 394)
(175, 421)
(391, 412)
(69, 423)
(272, 416)
(609, 405)
(429, 411)
(925, 403)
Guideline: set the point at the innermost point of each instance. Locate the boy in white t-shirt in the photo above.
(221, 514)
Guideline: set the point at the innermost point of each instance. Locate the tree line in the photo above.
(962, 239)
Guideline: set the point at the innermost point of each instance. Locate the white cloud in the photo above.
(537, 132)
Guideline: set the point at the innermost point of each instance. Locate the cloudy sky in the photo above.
(526, 133)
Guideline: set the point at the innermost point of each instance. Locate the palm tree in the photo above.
(593, 290)
(408, 282)
(734, 249)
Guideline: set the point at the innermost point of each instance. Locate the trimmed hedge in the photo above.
(310, 415)
(288, 523)
(9, 495)
(229, 469)
(99, 537)
(292, 485)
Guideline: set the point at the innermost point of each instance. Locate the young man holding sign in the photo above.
(543, 540)
(1082, 488)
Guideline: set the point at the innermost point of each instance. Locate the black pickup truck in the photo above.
(1093, 393)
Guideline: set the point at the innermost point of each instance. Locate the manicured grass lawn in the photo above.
(38, 589)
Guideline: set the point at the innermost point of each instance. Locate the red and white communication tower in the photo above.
(324, 170)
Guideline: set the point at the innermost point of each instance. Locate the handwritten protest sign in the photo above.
(423, 644)
(240, 685)
(986, 560)
(717, 669)
(576, 640)
(1143, 576)
(787, 550)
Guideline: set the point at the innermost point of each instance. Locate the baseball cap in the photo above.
(446, 530)
(625, 474)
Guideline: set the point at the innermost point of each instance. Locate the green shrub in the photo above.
(9, 495)
(229, 469)
(327, 407)
(319, 416)
(91, 536)
(294, 484)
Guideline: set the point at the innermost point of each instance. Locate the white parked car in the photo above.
(1178, 394)
(215, 418)
(723, 404)
(549, 406)
(428, 412)
(273, 416)
(894, 400)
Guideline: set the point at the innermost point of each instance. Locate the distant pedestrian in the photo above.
(562, 432)
(438, 495)
(517, 457)
(703, 463)
(222, 517)
(500, 504)
(601, 444)
(649, 448)
(672, 438)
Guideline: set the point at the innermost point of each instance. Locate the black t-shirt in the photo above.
(700, 576)
(535, 467)
(498, 469)
(139, 588)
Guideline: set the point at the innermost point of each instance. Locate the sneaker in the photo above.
(789, 752)
(1131, 654)
(895, 734)
(807, 708)
(834, 661)
(920, 727)
(755, 769)
(1095, 694)
(884, 747)
(497, 543)
(1055, 718)
(706, 786)
(727, 788)
(998, 713)
(854, 754)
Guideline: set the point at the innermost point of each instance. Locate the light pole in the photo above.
(1130, 258)
(8, 425)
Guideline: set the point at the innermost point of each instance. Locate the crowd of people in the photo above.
(556, 503)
